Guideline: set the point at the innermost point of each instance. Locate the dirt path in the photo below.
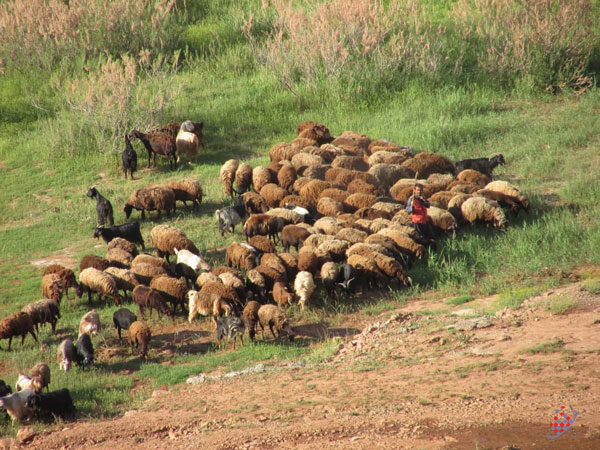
(449, 380)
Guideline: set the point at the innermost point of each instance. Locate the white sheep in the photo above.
(304, 286)
(485, 210)
(191, 260)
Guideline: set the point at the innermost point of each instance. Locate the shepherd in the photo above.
(417, 207)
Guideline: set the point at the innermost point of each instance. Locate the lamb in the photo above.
(52, 287)
(293, 236)
(40, 377)
(158, 143)
(260, 177)
(139, 334)
(262, 244)
(43, 311)
(104, 209)
(66, 276)
(483, 165)
(85, 350)
(158, 198)
(128, 158)
(240, 256)
(16, 324)
(173, 290)
(66, 354)
(186, 142)
(250, 317)
(97, 262)
(273, 194)
(281, 295)
(166, 239)
(329, 276)
(276, 319)
(15, 404)
(94, 280)
(243, 178)
(261, 224)
(123, 318)
(90, 323)
(254, 203)
(187, 190)
(147, 297)
(304, 286)
(206, 304)
(53, 404)
(229, 326)
(23, 382)
(227, 173)
(481, 209)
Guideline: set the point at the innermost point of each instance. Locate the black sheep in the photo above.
(122, 318)
(129, 231)
(4, 389)
(104, 209)
(483, 165)
(85, 350)
(46, 406)
(128, 158)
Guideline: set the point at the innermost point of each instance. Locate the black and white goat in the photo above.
(104, 209)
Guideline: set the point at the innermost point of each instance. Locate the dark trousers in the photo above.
(425, 229)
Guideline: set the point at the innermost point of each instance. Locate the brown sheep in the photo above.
(352, 142)
(351, 235)
(405, 243)
(16, 324)
(441, 199)
(254, 203)
(286, 177)
(94, 261)
(123, 244)
(172, 289)
(227, 293)
(262, 244)
(94, 280)
(260, 177)
(316, 172)
(388, 157)
(43, 311)
(52, 287)
(284, 150)
(297, 201)
(359, 186)
(308, 261)
(270, 276)
(441, 163)
(207, 304)
(40, 377)
(139, 334)
(346, 178)
(391, 268)
(332, 174)
(338, 195)
(440, 181)
(227, 173)
(313, 188)
(314, 131)
(262, 224)
(273, 194)
(465, 188)
(273, 261)
(187, 189)
(350, 163)
(384, 145)
(291, 264)
(158, 198)
(67, 278)
(276, 319)
(90, 323)
(241, 256)
(166, 239)
(243, 178)
(299, 184)
(250, 317)
(293, 236)
(359, 200)
(145, 258)
(147, 297)
(300, 161)
(281, 295)
(330, 207)
(119, 258)
(126, 280)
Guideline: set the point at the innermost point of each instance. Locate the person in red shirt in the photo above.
(417, 207)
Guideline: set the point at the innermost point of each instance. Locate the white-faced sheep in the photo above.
(16, 324)
(158, 198)
(139, 334)
(243, 178)
(187, 142)
(276, 319)
(481, 209)
(187, 190)
(195, 262)
(206, 304)
(273, 194)
(227, 173)
(66, 354)
(172, 289)
(90, 323)
(304, 286)
(260, 177)
(166, 239)
(102, 283)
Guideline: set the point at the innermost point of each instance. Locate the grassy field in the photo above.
(55, 144)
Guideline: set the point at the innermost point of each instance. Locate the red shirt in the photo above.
(419, 210)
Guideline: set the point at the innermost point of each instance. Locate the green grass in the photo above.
(459, 300)
(592, 286)
(560, 304)
(546, 347)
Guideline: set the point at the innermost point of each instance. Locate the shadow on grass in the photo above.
(322, 332)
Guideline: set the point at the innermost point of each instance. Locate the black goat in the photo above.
(85, 350)
(128, 158)
(129, 231)
(104, 209)
(483, 165)
(56, 403)
(122, 318)
(4, 389)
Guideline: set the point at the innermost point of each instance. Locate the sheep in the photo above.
(315, 131)
(227, 293)
(284, 150)
(52, 287)
(473, 176)
(206, 304)
(262, 244)
(389, 206)
(333, 249)
(352, 142)
(483, 165)
(351, 235)
(360, 186)
(158, 143)
(53, 404)
(23, 382)
(389, 157)
(466, 188)
(147, 297)
(335, 194)
(335, 172)
(289, 215)
(119, 258)
(128, 158)
(441, 219)
(508, 189)
(346, 178)
(16, 405)
(316, 172)
(308, 260)
(509, 201)
(85, 350)
(240, 256)
(360, 200)
(388, 174)
(227, 174)
(205, 277)
(303, 212)
(123, 244)
(293, 236)
(122, 319)
(144, 272)
(129, 232)
(455, 202)
(234, 281)
(66, 354)
(97, 262)
(348, 275)
(391, 268)
(270, 276)
(273, 194)
(260, 177)
(405, 243)
(40, 377)
(139, 334)
(125, 279)
(16, 324)
(254, 203)
(243, 178)
(229, 326)
(482, 209)
(329, 275)
(304, 286)
(166, 239)
(43, 311)
(187, 189)
(90, 323)
(261, 224)
(330, 207)
(366, 269)
(388, 244)
(256, 284)
(158, 198)
(186, 142)
(299, 184)
(300, 161)
(313, 189)
(273, 261)
(94, 280)
(173, 290)
(276, 319)
(441, 199)
(104, 209)
(250, 317)
(67, 279)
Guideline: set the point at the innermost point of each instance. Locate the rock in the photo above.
(25, 435)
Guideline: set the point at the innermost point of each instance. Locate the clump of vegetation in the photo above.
(546, 347)
(514, 298)
(592, 286)
(459, 300)
(560, 304)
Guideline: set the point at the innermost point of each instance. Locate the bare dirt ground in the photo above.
(427, 376)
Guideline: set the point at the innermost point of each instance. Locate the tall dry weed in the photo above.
(43, 33)
(357, 41)
(547, 40)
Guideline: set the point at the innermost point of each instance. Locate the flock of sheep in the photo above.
(339, 202)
